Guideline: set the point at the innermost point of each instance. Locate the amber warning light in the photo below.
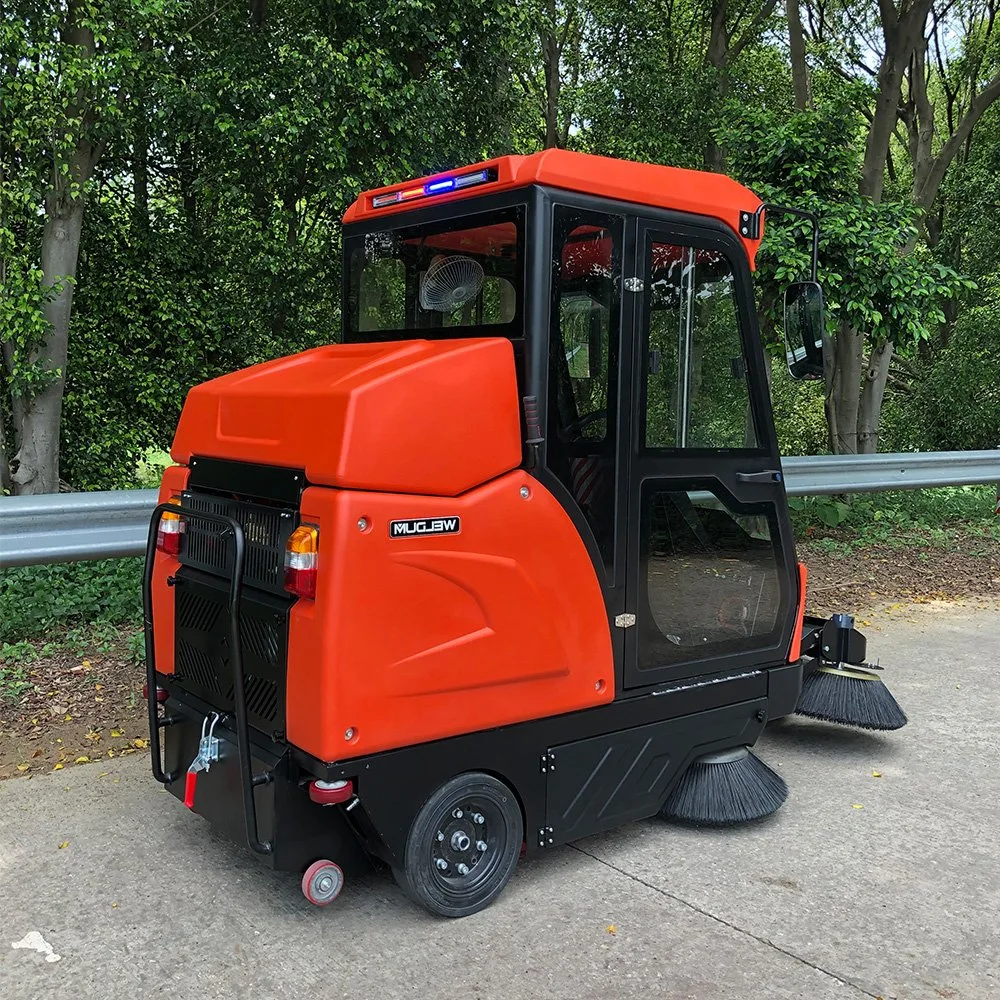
(301, 561)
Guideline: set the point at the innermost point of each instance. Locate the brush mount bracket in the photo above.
(841, 642)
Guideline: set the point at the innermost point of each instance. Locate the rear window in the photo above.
(461, 278)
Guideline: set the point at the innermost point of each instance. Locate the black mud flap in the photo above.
(299, 830)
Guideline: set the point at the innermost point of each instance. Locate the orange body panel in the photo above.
(420, 638)
(795, 651)
(427, 417)
(175, 479)
(699, 192)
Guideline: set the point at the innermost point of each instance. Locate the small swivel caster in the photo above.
(322, 882)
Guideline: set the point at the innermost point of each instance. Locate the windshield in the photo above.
(460, 278)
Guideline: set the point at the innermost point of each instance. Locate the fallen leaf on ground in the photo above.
(876, 774)
(82, 760)
(857, 805)
(65, 843)
(117, 732)
(611, 929)
(23, 767)
(57, 767)
(140, 744)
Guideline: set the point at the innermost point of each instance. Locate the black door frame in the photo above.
(698, 468)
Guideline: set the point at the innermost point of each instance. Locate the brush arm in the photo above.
(834, 639)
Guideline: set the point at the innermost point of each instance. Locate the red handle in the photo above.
(192, 777)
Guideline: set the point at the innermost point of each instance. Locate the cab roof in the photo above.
(690, 191)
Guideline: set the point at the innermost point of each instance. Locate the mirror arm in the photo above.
(799, 213)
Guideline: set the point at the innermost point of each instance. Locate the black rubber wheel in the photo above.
(463, 846)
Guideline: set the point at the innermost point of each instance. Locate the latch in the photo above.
(208, 754)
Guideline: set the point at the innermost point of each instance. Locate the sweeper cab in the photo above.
(511, 564)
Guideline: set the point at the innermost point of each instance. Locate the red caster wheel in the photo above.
(330, 793)
(322, 882)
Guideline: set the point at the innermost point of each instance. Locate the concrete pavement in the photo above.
(826, 901)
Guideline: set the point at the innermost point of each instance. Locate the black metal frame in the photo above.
(248, 780)
(751, 228)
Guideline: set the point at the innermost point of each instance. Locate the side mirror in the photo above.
(804, 329)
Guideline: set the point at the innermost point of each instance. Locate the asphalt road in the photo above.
(826, 901)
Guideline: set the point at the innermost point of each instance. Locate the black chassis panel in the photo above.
(300, 830)
(684, 720)
(574, 774)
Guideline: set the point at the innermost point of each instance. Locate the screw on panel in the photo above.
(525, 493)
(362, 524)
(349, 734)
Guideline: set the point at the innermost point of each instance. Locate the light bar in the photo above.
(441, 185)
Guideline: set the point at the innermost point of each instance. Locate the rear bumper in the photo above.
(299, 830)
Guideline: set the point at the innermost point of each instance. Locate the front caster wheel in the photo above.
(463, 846)
(322, 882)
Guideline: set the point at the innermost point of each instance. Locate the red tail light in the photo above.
(162, 694)
(302, 561)
(170, 532)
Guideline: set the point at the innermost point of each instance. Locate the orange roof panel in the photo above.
(692, 191)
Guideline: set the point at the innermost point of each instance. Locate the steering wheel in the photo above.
(577, 426)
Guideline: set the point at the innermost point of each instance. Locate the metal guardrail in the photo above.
(815, 475)
(67, 527)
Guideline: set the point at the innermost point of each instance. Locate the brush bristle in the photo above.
(835, 697)
(725, 793)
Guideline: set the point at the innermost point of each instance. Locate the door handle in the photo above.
(769, 476)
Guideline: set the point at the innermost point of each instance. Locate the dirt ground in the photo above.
(88, 708)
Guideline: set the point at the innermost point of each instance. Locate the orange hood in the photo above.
(419, 417)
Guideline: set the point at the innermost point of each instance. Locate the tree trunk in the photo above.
(797, 49)
(6, 484)
(37, 457)
(844, 390)
(717, 57)
(870, 411)
(553, 82)
(37, 418)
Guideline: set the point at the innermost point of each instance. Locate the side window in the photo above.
(583, 362)
(697, 394)
(381, 291)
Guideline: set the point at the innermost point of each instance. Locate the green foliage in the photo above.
(220, 247)
(824, 510)
(799, 417)
(149, 468)
(13, 676)
(811, 160)
(42, 601)
(958, 400)
(904, 517)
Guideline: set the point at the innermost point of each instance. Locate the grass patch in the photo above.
(14, 660)
(940, 518)
(75, 603)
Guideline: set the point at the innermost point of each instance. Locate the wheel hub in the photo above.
(461, 843)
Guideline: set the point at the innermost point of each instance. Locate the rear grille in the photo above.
(265, 529)
(203, 660)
